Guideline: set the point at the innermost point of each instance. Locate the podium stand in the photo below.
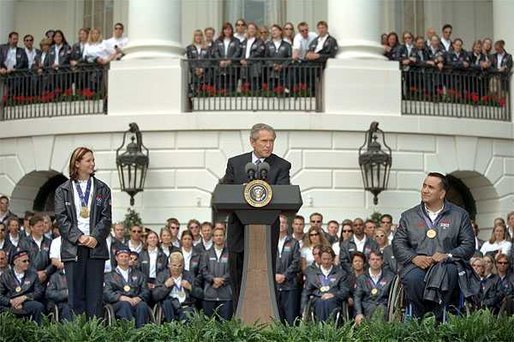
(257, 300)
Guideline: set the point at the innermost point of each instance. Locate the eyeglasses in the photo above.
(379, 236)
(29, 40)
(304, 30)
(502, 262)
(173, 228)
(314, 234)
(240, 24)
(315, 221)
(136, 231)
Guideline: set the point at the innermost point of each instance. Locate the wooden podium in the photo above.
(257, 300)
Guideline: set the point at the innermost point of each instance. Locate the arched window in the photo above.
(261, 12)
(459, 194)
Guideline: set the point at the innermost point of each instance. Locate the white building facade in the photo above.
(189, 150)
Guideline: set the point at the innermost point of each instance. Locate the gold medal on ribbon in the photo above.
(431, 233)
(17, 289)
(181, 295)
(374, 292)
(126, 288)
(84, 212)
(324, 289)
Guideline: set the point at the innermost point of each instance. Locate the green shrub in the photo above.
(480, 326)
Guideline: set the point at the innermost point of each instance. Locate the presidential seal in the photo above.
(258, 193)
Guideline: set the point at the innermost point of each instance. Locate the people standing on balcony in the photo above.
(197, 53)
(446, 42)
(226, 50)
(392, 49)
(383, 39)
(458, 59)
(209, 33)
(487, 48)
(28, 41)
(405, 49)
(78, 50)
(96, 51)
(42, 65)
(323, 47)
(240, 30)
(83, 213)
(430, 33)
(501, 61)
(264, 32)
(279, 53)
(60, 51)
(12, 57)
(302, 40)
(289, 33)
(117, 42)
(478, 63)
(252, 49)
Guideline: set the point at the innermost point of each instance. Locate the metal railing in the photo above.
(456, 93)
(49, 92)
(254, 85)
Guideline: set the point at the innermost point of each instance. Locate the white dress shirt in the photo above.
(281, 242)
(124, 273)
(187, 258)
(249, 44)
(153, 262)
(321, 42)
(360, 243)
(301, 44)
(83, 222)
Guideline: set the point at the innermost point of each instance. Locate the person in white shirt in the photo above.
(117, 42)
(446, 41)
(498, 243)
(96, 51)
(31, 53)
(313, 238)
(302, 40)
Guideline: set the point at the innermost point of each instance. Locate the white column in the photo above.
(6, 19)
(150, 78)
(356, 24)
(503, 12)
(360, 80)
(154, 29)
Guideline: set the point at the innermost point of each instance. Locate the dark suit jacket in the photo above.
(22, 61)
(506, 61)
(235, 174)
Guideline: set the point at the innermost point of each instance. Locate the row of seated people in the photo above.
(323, 283)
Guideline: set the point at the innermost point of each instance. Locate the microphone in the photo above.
(263, 170)
(251, 170)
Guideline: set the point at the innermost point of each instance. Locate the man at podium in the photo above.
(262, 139)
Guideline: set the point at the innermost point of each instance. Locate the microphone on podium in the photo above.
(251, 170)
(263, 170)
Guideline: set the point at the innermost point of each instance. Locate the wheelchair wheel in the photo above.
(151, 316)
(157, 313)
(308, 315)
(53, 315)
(507, 307)
(343, 314)
(396, 301)
(108, 315)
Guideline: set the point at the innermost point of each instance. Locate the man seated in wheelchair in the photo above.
(174, 289)
(57, 294)
(432, 245)
(20, 288)
(372, 291)
(127, 291)
(326, 286)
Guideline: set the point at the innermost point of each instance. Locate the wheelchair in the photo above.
(109, 315)
(53, 313)
(340, 315)
(158, 311)
(398, 310)
(507, 307)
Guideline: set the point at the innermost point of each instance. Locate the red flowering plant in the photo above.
(301, 90)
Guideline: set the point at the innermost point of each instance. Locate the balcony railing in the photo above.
(258, 85)
(456, 93)
(78, 90)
